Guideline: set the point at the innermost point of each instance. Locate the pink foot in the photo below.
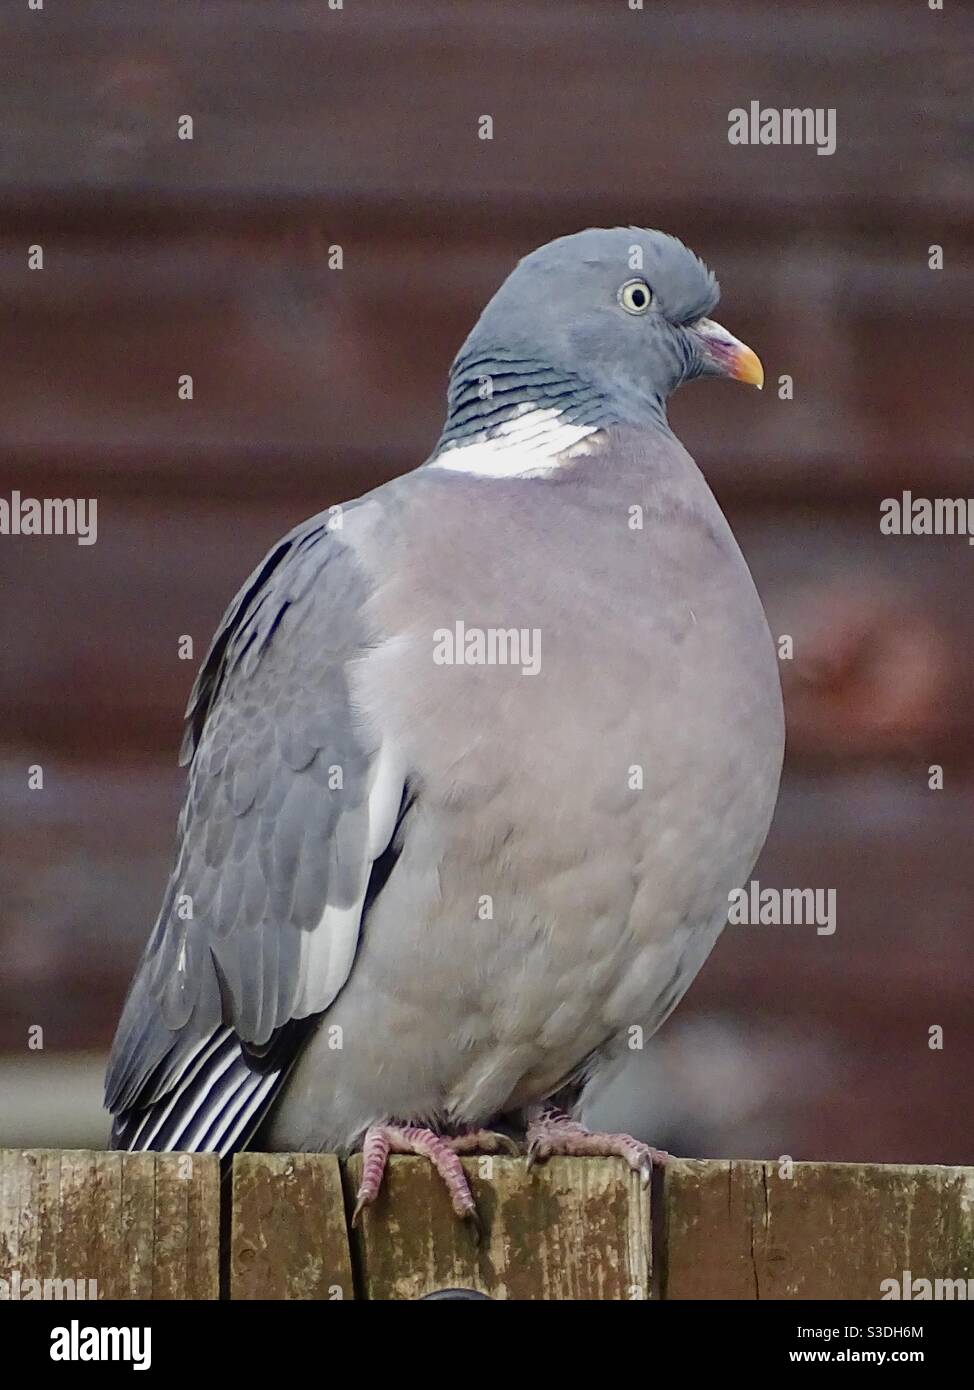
(381, 1140)
(554, 1132)
(483, 1141)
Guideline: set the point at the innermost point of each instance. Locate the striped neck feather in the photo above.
(512, 417)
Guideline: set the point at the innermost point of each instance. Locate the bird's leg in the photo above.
(381, 1140)
(553, 1132)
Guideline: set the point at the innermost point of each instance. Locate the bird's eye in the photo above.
(635, 296)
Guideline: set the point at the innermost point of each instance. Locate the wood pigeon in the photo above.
(475, 760)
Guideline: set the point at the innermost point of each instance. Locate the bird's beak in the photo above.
(725, 355)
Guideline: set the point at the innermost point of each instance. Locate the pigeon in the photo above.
(474, 760)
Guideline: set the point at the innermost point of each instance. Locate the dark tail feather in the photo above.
(214, 1106)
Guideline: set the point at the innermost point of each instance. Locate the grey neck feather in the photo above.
(519, 402)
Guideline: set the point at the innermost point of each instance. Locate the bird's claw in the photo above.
(381, 1140)
(556, 1133)
(484, 1141)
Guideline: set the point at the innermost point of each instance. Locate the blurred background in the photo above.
(357, 127)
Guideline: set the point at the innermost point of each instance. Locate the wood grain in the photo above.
(142, 1226)
(748, 1230)
(289, 1239)
(147, 1226)
(569, 1229)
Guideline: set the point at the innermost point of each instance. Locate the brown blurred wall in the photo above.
(315, 128)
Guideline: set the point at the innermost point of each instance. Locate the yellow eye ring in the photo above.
(635, 296)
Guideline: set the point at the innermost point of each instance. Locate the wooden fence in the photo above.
(149, 1226)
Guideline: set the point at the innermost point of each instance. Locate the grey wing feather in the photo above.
(260, 921)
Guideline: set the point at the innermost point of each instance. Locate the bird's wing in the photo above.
(287, 830)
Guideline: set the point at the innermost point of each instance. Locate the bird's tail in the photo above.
(213, 1105)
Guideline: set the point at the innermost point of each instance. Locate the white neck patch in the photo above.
(532, 444)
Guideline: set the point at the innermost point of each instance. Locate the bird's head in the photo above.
(626, 312)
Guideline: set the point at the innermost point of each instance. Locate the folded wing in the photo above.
(293, 808)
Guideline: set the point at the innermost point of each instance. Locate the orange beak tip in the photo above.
(748, 368)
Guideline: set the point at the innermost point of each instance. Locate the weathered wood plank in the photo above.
(142, 1226)
(569, 1229)
(305, 386)
(288, 1234)
(146, 1226)
(743, 1230)
(115, 78)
